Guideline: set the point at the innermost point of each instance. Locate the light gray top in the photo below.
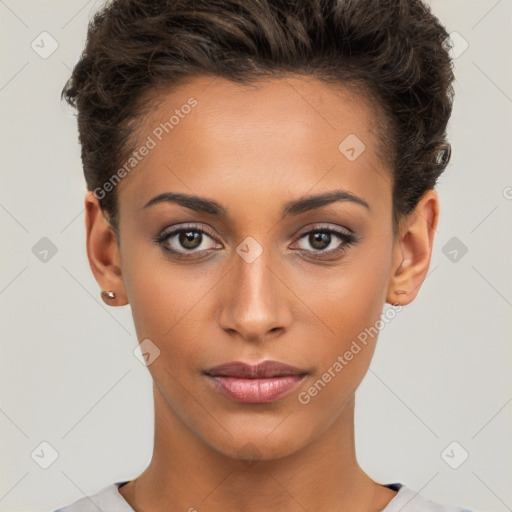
(108, 499)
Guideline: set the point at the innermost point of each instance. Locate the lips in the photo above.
(252, 384)
(266, 369)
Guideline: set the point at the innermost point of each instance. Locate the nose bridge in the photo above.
(254, 304)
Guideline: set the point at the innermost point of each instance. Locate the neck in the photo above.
(186, 474)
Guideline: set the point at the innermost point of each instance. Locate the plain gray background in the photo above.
(441, 371)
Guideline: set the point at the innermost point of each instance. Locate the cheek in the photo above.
(167, 306)
(350, 306)
(349, 298)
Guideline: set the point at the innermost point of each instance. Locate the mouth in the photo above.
(261, 383)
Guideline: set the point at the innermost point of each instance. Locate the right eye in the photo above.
(186, 241)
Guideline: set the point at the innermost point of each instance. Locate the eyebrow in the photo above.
(295, 207)
(307, 203)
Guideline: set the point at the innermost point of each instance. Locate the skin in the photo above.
(252, 150)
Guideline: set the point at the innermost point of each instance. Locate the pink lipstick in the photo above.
(261, 383)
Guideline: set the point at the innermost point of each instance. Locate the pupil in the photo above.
(320, 240)
(188, 239)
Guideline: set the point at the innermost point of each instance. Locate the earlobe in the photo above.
(103, 253)
(413, 251)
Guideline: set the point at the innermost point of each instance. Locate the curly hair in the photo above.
(395, 52)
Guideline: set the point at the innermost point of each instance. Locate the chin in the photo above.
(257, 444)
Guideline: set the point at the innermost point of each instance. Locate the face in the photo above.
(253, 277)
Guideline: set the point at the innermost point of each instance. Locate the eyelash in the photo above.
(348, 239)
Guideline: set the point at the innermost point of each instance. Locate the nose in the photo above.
(254, 302)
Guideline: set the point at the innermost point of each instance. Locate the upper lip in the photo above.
(264, 369)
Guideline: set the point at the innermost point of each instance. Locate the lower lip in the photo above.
(255, 391)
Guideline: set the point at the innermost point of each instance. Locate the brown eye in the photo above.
(190, 239)
(319, 240)
(187, 241)
(325, 242)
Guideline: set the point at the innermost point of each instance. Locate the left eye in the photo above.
(323, 240)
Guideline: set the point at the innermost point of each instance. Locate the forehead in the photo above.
(291, 134)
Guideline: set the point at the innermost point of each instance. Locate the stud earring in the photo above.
(105, 295)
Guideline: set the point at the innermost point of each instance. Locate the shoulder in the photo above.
(408, 500)
(107, 499)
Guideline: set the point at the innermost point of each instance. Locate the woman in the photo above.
(261, 184)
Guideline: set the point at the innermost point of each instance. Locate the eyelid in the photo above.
(346, 235)
(193, 226)
(326, 227)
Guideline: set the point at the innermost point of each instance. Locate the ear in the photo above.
(413, 250)
(103, 252)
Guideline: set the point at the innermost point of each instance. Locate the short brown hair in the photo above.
(395, 50)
